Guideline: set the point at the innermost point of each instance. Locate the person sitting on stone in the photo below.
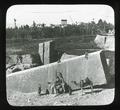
(61, 80)
(58, 85)
(65, 86)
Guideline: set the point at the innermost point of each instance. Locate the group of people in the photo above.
(59, 86)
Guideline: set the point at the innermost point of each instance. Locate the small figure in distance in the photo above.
(47, 91)
(86, 82)
(83, 83)
(59, 61)
(86, 55)
(39, 89)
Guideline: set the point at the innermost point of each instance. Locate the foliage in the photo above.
(38, 31)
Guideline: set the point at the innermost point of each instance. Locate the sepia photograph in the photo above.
(60, 55)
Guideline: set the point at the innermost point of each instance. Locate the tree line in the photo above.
(38, 31)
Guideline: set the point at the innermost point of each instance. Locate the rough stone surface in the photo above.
(99, 97)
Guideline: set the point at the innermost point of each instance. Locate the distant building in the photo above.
(63, 22)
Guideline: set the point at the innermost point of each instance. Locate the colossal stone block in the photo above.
(73, 69)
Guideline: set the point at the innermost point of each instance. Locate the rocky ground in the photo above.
(98, 97)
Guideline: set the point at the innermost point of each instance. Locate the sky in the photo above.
(52, 14)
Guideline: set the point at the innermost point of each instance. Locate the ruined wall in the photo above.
(47, 52)
(26, 59)
(44, 52)
(40, 51)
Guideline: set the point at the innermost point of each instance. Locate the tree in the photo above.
(37, 31)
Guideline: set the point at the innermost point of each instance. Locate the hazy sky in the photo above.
(52, 14)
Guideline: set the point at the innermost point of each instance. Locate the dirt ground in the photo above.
(98, 97)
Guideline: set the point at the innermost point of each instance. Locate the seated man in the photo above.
(61, 80)
(66, 88)
(58, 85)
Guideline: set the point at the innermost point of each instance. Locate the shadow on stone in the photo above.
(94, 91)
